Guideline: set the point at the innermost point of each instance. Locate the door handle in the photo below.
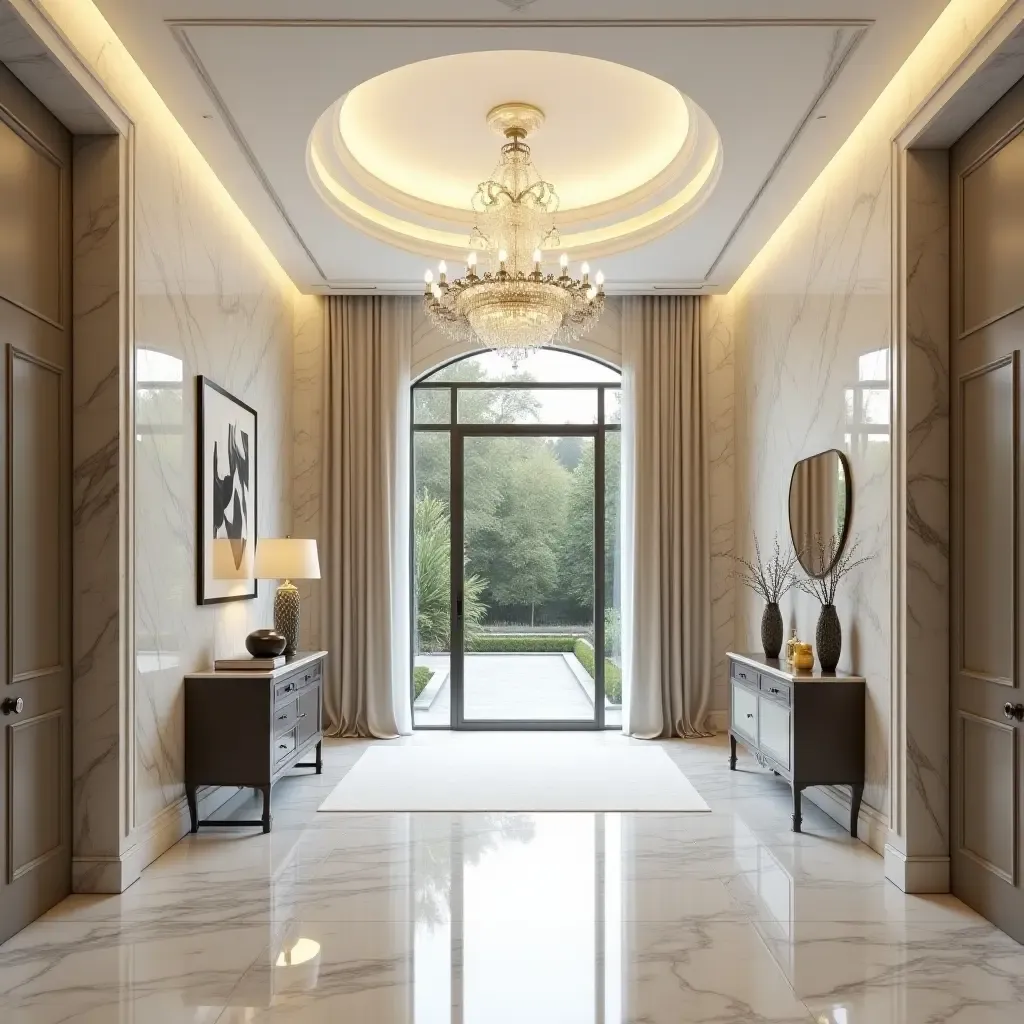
(458, 606)
(1012, 711)
(13, 705)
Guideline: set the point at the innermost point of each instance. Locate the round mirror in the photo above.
(819, 510)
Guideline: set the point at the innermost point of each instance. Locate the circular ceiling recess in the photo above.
(400, 156)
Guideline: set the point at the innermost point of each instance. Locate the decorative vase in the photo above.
(771, 630)
(829, 638)
(265, 643)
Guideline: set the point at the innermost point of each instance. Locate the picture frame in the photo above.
(227, 495)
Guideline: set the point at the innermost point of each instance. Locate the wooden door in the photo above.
(987, 733)
(35, 508)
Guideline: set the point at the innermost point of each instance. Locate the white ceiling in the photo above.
(783, 81)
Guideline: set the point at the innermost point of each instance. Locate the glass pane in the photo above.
(545, 365)
(613, 405)
(612, 581)
(431, 405)
(529, 580)
(528, 405)
(432, 595)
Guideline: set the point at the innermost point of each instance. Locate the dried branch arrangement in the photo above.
(772, 578)
(823, 586)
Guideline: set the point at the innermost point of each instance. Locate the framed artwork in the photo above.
(226, 496)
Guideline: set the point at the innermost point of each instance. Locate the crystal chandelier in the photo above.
(506, 301)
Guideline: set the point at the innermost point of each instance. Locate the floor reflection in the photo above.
(525, 918)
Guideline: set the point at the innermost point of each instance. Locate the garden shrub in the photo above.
(520, 643)
(421, 675)
(612, 673)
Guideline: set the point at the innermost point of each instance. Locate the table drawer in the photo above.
(774, 723)
(285, 716)
(308, 721)
(744, 711)
(284, 747)
(776, 689)
(745, 674)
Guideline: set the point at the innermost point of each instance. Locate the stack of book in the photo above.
(247, 663)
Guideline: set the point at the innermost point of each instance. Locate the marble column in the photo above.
(917, 850)
(100, 591)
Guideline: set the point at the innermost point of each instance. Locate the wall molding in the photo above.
(111, 875)
(916, 874)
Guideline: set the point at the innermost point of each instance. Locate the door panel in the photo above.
(988, 470)
(35, 509)
(987, 293)
(31, 215)
(33, 444)
(987, 753)
(36, 822)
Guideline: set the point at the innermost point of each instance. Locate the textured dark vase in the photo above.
(265, 643)
(771, 630)
(829, 638)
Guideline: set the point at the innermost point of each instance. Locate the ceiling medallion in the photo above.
(511, 305)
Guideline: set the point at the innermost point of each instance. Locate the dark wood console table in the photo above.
(249, 728)
(806, 726)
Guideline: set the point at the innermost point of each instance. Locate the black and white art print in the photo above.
(226, 489)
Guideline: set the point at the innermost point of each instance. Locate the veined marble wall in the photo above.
(812, 320)
(431, 348)
(208, 299)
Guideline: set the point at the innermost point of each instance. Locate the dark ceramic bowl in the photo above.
(265, 643)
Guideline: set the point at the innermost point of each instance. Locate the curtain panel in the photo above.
(666, 520)
(365, 517)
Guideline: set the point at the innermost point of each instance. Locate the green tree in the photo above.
(515, 515)
(576, 573)
(432, 532)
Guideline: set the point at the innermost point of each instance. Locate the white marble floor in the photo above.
(725, 917)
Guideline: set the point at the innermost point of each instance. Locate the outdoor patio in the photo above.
(508, 687)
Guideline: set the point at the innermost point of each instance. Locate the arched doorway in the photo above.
(515, 481)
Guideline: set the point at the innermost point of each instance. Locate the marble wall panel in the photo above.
(98, 749)
(811, 319)
(210, 299)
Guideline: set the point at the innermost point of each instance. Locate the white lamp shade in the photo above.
(286, 558)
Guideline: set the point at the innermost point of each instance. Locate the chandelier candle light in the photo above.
(512, 305)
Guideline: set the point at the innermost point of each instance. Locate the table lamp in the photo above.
(287, 558)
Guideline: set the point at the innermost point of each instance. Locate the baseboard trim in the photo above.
(916, 874)
(112, 875)
(872, 825)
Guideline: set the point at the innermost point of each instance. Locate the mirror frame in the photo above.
(844, 536)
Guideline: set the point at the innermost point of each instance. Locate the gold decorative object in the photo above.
(790, 644)
(803, 656)
(512, 305)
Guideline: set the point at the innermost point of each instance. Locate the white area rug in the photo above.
(509, 776)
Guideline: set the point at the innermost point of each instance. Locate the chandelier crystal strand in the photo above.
(511, 305)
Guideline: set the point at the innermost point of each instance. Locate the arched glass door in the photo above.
(515, 544)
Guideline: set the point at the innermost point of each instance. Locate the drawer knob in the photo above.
(750, 714)
(282, 746)
(773, 689)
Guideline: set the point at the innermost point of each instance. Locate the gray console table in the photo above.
(249, 728)
(806, 726)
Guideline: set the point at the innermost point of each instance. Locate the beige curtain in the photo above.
(666, 530)
(365, 595)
